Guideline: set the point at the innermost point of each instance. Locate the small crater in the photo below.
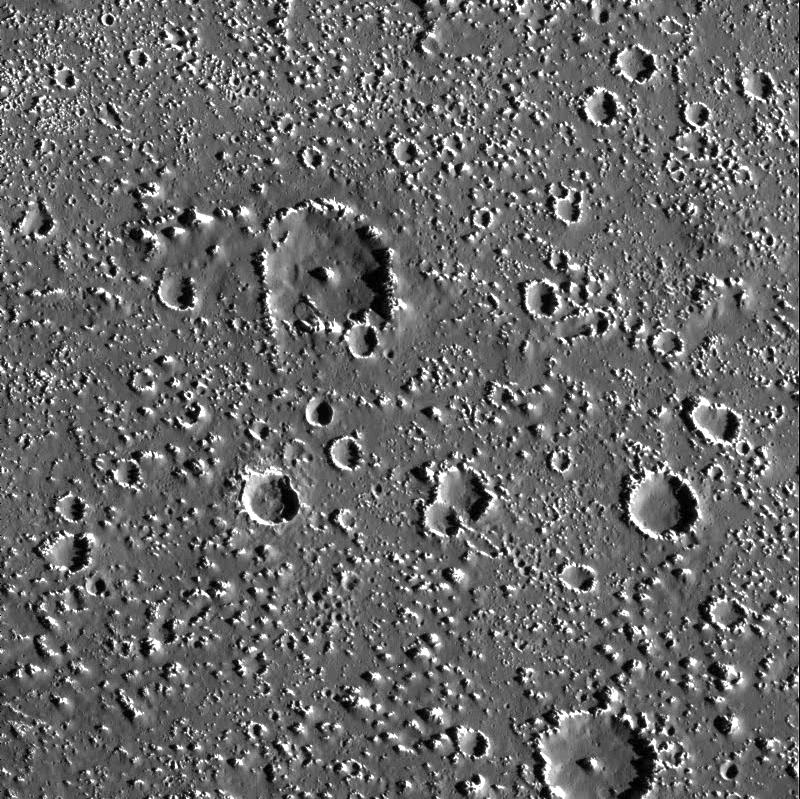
(715, 422)
(405, 152)
(696, 114)
(660, 504)
(67, 553)
(475, 785)
(98, 587)
(178, 293)
(71, 508)
(471, 743)
(560, 461)
(483, 218)
(344, 519)
(724, 614)
(758, 85)
(541, 298)
(362, 340)
(600, 107)
(729, 770)
(142, 381)
(578, 578)
(65, 78)
(137, 58)
(636, 64)
(319, 412)
(269, 498)
(726, 724)
(345, 454)
(311, 158)
(128, 474)
(667, 344)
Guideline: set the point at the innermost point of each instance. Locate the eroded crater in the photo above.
(269, 498)
(660, 504)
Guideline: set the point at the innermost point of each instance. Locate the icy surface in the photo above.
(399, 399)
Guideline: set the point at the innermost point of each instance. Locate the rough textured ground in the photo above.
(399, 399)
